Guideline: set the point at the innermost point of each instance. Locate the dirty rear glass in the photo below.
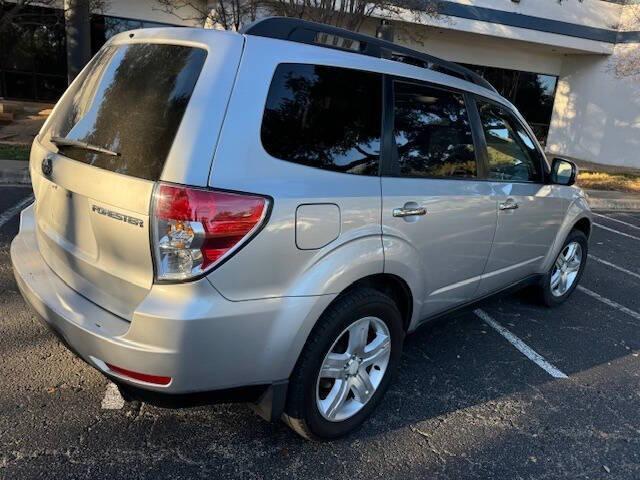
(131, 101)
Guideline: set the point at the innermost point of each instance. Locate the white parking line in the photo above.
(628, 215)
(611, 303)
(616, 220)
(525, 349)
(17, 208)
(613, 265)
(112, 399)
(599, 225)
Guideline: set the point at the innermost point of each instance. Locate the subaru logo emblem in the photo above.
(47, 166)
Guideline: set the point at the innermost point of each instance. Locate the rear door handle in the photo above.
(409, 212)
(510, 204)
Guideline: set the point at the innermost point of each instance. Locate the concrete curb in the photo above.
(604, 200)
(607, 204)
(14, 172)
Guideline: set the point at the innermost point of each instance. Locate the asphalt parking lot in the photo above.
(510, 391)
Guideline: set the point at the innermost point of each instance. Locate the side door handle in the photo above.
(409, 212)
(510, 204)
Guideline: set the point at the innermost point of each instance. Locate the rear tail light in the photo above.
(195, 229)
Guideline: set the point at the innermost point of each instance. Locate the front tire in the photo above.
(565, 273)
(346, 365)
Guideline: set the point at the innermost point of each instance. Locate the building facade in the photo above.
(572, 67)
(33, 60)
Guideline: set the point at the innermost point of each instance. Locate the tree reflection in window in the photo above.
(324, 117)
(531, 93)
(511, 152)
(432, 133)
(131, 100)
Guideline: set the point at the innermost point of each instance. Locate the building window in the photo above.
(33, 61)
(33, 57)
(531, 93)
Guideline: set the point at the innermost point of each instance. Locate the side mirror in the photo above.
(563, 172)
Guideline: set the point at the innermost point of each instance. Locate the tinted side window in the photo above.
(324, 117)
(432, 133)
(511, 152)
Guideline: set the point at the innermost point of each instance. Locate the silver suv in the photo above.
(265, 215)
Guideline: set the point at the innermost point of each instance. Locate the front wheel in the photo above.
(346, 365)
(563, 276)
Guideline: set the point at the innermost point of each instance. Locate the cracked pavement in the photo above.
(465, 404)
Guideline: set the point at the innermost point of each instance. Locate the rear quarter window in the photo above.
(130, 100)
(324, 117)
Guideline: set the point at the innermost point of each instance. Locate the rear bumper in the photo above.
(188, 332)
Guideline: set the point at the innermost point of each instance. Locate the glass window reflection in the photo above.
(511, 153)
(432, 133)
(532, 93)
(116, 106)
(324, 117)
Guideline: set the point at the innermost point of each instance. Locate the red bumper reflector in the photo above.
(143, 377)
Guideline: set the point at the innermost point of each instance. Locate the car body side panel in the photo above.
(271, 264)
(578, 209)
(241, 163)
(449, 244)
(399, 260)
(524, 235)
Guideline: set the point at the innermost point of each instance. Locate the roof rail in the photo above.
(303, 31)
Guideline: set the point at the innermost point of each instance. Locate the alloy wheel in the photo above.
(565, 270)
(353, 369)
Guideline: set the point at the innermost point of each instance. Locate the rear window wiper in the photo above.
(65, 142)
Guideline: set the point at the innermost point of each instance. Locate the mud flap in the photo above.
(270, 405)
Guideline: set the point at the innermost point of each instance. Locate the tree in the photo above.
(349, 14)
(77, 15)
(626, 61)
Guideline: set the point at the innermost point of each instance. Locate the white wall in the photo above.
(151, 10)
(140, 10)
(593, 13)
(596, 114)
(477, 49)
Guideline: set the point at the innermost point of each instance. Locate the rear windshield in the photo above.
(130, 101)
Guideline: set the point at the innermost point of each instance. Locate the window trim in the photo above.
(545, 170)
(390, 166)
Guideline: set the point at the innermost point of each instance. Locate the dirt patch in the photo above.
(609, 181)
(27, 122)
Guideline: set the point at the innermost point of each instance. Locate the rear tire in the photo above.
(564, 275)
(357, 343)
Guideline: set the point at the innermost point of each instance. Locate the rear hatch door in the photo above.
(127, 120)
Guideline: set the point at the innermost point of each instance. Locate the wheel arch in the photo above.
(394, 287)
(578, 217)
(584, 225)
